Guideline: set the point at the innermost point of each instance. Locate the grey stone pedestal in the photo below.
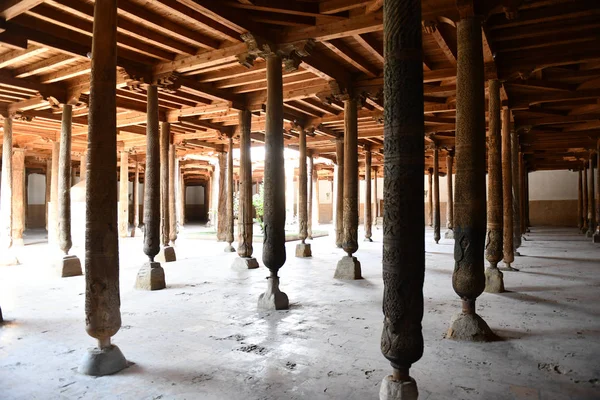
(469, 328)
(494, 281)
(166, 254)
(396, 390)
(243, 263)
(69, 266)
(449, 234)
(150, 277)
(229, 249)
(348, 268)
(303, 250)
(273, 298)
(100, 362)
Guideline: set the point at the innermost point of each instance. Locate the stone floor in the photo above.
(202, 337)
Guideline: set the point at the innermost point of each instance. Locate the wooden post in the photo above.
(309, 195)
(230, 189)
(136, 198)
(591, 200)
(53, 206)
(124, 194)
(221, 189)
(172, 178)
(436, 195)
(339, 203)
(450, 199)
(18, 198)
(584, 229)
(302, 249)
(430, 196)
(368, 205)
(167, 254)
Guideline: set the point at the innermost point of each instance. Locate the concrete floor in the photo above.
(202, 337)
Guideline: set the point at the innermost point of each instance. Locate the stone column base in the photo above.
(589, 233)
(348, 268)
(469, 328)
(273, 298)
(166, 254)
(243, 263)
(229, 249)
(449, 234)
(494, 280)
(100, 362)
(507, 267)
(303, 250)
(396, 390)
(69, 266)
(596, 237)
(150, 277)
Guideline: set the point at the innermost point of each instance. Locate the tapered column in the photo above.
(507, 195)
(7, 256)
(494, 282)
(526, 202)
(221, 189)
(69, 265)
(580, 215)
(368, 205)
(151, 275)
(274, 188)
(124, 194)
(302, 248)
(584, 229)
(404, 210)
(182, 199)
(83, 166)
(591, 200)
(339, 201)
(167, 253)
(18, 198)
(516, 187)
(349, 266)
(47, 194)
(309, 196)
(230, 189)
(136, 199)
(172, 178)
(468, 279)
(245, 209)
(450, 200)
(430, 196)
(436, 195)
(53, 206)
(375, 193)
(523, 196)
(102, 300)
(316, 201)
(596, 236)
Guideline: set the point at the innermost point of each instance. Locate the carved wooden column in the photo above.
(522, 174)
(368, 205)
(436, 195)
(7, 256)
(596, 236)
(580, 216)
(83, 166)
(494, 282)
(245, 220)
(349, 266)
(302, 248)
(309, 196)
(136, 198)
(339, 202)
(404, 235)
(18, 198)
(450, 201)
(53, 206)
(124, 194)
(182, 199)
(507, 194)
(221, 205)
(172, 179)
(591, 200)
(430, 196)
(375, 194)
(468, 279)
(316, 199)
(230, 188)
(69, 265)
(47, 194)
(289, 192)
(584, 229)
(516, 191)
(151, 275)
(274, 188)
(102, 300)
(167, 253)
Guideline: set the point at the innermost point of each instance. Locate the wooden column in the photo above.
(494, 282)
(289, 192)
(230, 189)
(18, 196)
(274, 188)
(404, 239)
(151, 275)
(522, 174)
(450, 200)
(69, 265)
(339, 201)
(172, 178)
(596, 236)
(102, 300)
(221, 189)
(349, 266)
(580, 216)
(167, 254)
(436, 195)
(124, 194)
(302, 248)
(591, 200)
(507, 195)
(136, 199)
(584, 229)
(375, 193)
(47, 194)
(309, 195)
(316, 201)
(368, 205)
(245, 220)
(468, 279)
(53, 206)
(182, 199)
(7, 256)
(430, 196)
(516, 182)
(83, 166)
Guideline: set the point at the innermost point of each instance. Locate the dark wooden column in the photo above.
(219, 183)
(309, 195)
(404, 237)
(436, 194)
(172, 179)
(245, 220)
(229, 203)
(516, 187)
(152, 276)
(596, 236)
(136, 198)
(167, 253)
(102, 300)
(584, 229)
(349, 266)
(339, 201)
(302, 248)
(53, 206)
(591, 200)
(522, 175)
(274, 188)
(494, 282)
(7, 256)
(580, 215)
(450, 200)
(68, 265)
(368, 204)
(124, 194)
(430, 196)
(375, 195)
(468, 279)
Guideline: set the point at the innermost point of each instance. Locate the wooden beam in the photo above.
(13, 8)
(348, 54)
(337, 6)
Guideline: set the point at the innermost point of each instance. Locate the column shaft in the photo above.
(436, 195)
(585, 199)
(430, 196)
(18, 196)
(516, 187)
(522, 173)
(136, 197)
(83, 166)
(350, 209)
(245, 221)
(124, 194)
(221, 189)
(450, 199)
(316, 200)
(596, 236)
(64, 182)
(507, 197)
(47, 194)
(172, 178)
(165, 138)
(230, 188)
(339, 202)
(53, 207)
(368, 205)
(375, 194)
(302, 189)
(591, 200)
(580, 201)
(309, 196)
(152, 178)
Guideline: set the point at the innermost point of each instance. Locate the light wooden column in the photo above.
(136, 198)
(229, 203)
(450, 199)
(220, 188)
(83, 166)
(167, 253)
(436, 194)
(53, 206)
(302, 249)
(368, 206)
(339, 190)
(124, 194)
(309, 195)
(172, 207)
(18, 196)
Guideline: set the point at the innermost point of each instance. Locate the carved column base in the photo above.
(397, 390)
(348, 268)
(469, 328)
(8, 257)
(517, 254)
(229, 249)
(69, 266)
(449, 234)
(243, 263)
(368, 239)
(589, 233)
(273, 298)
(507, 267)
(166, 254)
(494, 280)
(150, 277)
(100, 362)
(596, 237)
(303, 250)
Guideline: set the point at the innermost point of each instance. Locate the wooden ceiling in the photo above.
(545, 52)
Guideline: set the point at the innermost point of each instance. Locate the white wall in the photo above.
(36, 189)
(194, 195)
(553, 185)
